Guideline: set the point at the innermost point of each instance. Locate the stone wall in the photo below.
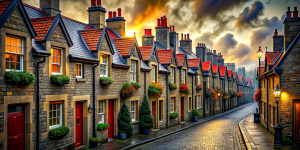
(147, 40)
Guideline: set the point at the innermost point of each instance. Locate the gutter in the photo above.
(94, 102)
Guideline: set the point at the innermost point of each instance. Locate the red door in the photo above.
(16, 130)
(182, 109)
(297, 119)
(153, 113)
(79, 124)
(111, 117)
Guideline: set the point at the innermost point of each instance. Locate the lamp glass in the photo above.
(90, 108)
(219, 94)
(259, 53)
(277, 91)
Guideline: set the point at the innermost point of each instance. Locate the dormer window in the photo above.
(133, 71)
(172, 75)
(103, 66)
(56, 61)
(183, 72)
(14, 49)
(198, 79)
(153, 73)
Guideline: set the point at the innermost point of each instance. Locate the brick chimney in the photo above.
(162, 32)
(96, 14)
(215, 57)
(291, 27)
(147, 38)
(277, 41)
(51, 7)
(201, 51)
(220, 60)
(117, 23)
(209, 55)
(173, 38)
(187, 44)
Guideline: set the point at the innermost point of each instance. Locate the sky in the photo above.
(236, 28)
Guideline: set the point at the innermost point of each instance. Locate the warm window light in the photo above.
(277, 91)
(259, 53)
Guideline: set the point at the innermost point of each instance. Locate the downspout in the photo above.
(268, 104)
(38, 103)
(204, 89)
(193, 92)
(144, 82)
(167, 98)
(94, 102)
(213, 101)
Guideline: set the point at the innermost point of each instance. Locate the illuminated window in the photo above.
(183, 76)
(56, 61)
(79, 70)
(101, 113)
(14, 53)
(133, 111)
(172, 75)
(153, 74)
(133, 71)
(103, 66)
(55, 114)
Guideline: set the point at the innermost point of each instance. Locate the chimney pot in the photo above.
(181, 36)
(173, 28)
(188, 36)
(215, 52)
(185, 36)
(93, 2)
(158, 22)
(162, 21)
(170, 28)
(119, 12)
(275, 33)
(110, 14)
(145, 31)
(98, 2)
(295, 13)
(288, 13)
(114, 14)
(166, 22)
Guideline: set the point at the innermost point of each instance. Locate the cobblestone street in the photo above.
(219, 133)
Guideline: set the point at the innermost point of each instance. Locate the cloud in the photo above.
(250, 16)
(226, 42)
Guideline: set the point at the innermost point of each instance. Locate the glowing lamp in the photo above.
(277, 91)
(90, 109)
(259, 53)
(219, 94)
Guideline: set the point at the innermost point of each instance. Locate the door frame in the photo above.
(75, 128)
(24, 112)
(155, 124)
(181, 96)
(114, 119)
(294, 120)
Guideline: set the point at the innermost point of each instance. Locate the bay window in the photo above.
(172, 75)
(103, 65)
(55, 60)
(55, 114)
(14, 49)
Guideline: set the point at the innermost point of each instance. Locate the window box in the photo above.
(135, 85)
(226, 96)
(104, 81)
(58, 133)
(19, 78)
(219, 90)
(257, 96)
(199, 88)
(172, 86)
(127, 91)
(60, 79)
(210, 92)
(184, 89)
(155, 89)
(173, 115)
(102, 126)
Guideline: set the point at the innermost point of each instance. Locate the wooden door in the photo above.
(79, 124)
(154, 114)
(182, 109)
(111, 118)
(297, 120)
(16, 130)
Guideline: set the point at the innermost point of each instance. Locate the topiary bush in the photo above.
(20, 78)
(195, 112)
(135, 85)
(173, 115)
(60, 79)
(146, 119)
(104, 81)
(102, 126)
(124, 121)
(58, 133)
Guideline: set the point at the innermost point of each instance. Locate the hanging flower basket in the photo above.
(240, 95)
(105, 81)
(199, 88)
(155, 89)
(127, 91)
(233, 93)
(172, 86)
(225, 96)
(184, 89)
(257, 96)
(210, 92)
(218, 90)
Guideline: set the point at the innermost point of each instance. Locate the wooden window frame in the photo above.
(154, 75)
(183, 76)
(133, 73)
(101, 114)
(160, 110)
(172, 75)
(81, 70)
(135, 111)
(60, 114)
(21, 54)
(173, 103)
(61, 64)
(190, 107)
(104, 64)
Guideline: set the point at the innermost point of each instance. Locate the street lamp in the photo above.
(259, 54)
(278, 128)
(90, 109)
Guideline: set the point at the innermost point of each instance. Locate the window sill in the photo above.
(135, 122)
(80, 80)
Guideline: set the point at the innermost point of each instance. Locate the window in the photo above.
(55, 114)
(273, 83)
(172, 75)
(56, 61)
(14, 53)
(133, 71)
(198, 80)
(153, 74)
(190, 103)
(183, 76)
(200, 101)
(101, 113)
(79, 70)
(173, 104)
(160, 107)
(103, 66)
(133, 110)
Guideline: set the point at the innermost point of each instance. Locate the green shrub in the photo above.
(124, 121)
(172, 86)
(20, 78)
(195, 112)
(173, 115)
(58, 133)
(135, 85)
(104, 81)
(102, 126)
(146, 119)
(94, 139)
(60, 79)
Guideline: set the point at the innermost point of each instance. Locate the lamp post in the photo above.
(259, 54)
(278, 128)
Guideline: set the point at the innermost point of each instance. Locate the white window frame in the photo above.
(172, 75)
(200, 101)
(153, 73)
(133, 71)
(104, 64)
(61, 61)
(81, 70)
(133, 110)
(101, 114)
(60, 119)
(21, 54)
(183, 77)
(199, 79)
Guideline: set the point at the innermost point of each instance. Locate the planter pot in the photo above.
(194, 118)
(122, 136)
(256, 117)
(146, 131)
(94, 143)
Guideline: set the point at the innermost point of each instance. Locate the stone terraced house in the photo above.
(44, 43)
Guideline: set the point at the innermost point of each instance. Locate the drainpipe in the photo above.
(38, 103)
(94, 102)
(268, 104)
(193, 92)
(203, 95)
(213, 101)
(144, 82)
(167, 98)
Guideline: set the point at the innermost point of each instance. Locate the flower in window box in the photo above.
(172, 86)
(257, 96)
(127, 91)
(155, 89)
(199, 87)
(218, 90)
(184, 89)
(135, 85)
(104, 81)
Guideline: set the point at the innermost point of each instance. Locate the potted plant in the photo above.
(146, 119)
(173, 115)
(155, 89)
(195, 115)
(124, 122)
(184, 89)
(94, 141)
(127, 91)
(104, 81)
(172, 86)
(257, 95)
(199, 88)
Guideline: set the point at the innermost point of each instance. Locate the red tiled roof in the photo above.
(3, 6)
(124, 45)
(240, 78)
(111, 34)
(234, 74)
(229, 72)
(193, 62)
(38, 9)
(146, 51)
(180, 58)
(222, 70)
(262, 69)
(91, 38)
(165, 56)
(205, 65)
(271, 57)
(41, 26)
(214, 68)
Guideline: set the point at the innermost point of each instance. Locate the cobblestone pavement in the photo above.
(219, 133)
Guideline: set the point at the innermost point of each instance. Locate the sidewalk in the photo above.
(139, 139)
(257, 137)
